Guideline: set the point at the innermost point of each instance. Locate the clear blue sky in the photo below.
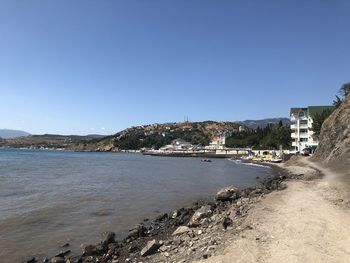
(80, 67)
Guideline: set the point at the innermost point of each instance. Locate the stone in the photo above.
(138, 230)
(63, 254)
(211, 248)
(151, 248)
(226, 222)
(31, 260)
(227, 194)
(91, 250)
(181, 230)
(175, 214)
(161, 217)
(57, 260)
(203, 212)
(108, 239)
(133, 249)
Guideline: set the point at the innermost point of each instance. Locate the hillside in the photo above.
(253, 124)
(334, 146)
(158, 135)
(6, 133)
(45, 141)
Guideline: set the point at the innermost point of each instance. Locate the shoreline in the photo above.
(162, 228)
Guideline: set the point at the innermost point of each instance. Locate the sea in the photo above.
(50, 198)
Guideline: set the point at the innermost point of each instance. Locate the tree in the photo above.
(343, 92)
(337, 101)
(318, 120)
(345, 89)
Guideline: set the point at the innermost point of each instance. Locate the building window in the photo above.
(303, 139)
(301, 114)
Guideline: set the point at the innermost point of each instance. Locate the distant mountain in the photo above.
(45, 141)
(253, 124)
(6, 133)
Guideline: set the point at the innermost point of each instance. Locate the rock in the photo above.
(108, 239)
(65, 245)
(334, 140)
(227, 194)
(175, 214)
(138, 230)
(92, 250)
(203, 212)
(150, 248)
(62, 254)
(226, 222)
(161, 218)
(181, 230)
(102, 212)
(213, 247)
(31, 260)
(133, 249)
(57, 260)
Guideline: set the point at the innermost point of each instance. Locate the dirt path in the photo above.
(307, 222)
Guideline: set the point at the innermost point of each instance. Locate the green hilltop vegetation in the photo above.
(158, 135)
(271, 137)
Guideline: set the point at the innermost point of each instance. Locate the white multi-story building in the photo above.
(301, 126)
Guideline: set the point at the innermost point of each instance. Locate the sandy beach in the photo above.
(306, 222)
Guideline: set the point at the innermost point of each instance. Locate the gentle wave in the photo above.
(49, 198)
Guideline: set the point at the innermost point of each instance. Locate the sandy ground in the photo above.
(307, 222)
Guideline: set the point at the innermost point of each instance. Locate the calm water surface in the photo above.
(48, 198)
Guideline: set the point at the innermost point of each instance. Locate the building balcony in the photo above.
(293, 126)
(293, 135)
(303, 135)
(295, 144)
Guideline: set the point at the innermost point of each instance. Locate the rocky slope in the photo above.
(334, 147)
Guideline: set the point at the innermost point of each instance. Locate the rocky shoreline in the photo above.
(184, 235)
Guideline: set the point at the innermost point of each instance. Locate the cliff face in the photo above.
(334, 146)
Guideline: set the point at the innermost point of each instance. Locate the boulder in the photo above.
(227, 194)
(201, 213)
(91, 250)
(151, 248)
(107, 239)
(138, 230)
(181, 230)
